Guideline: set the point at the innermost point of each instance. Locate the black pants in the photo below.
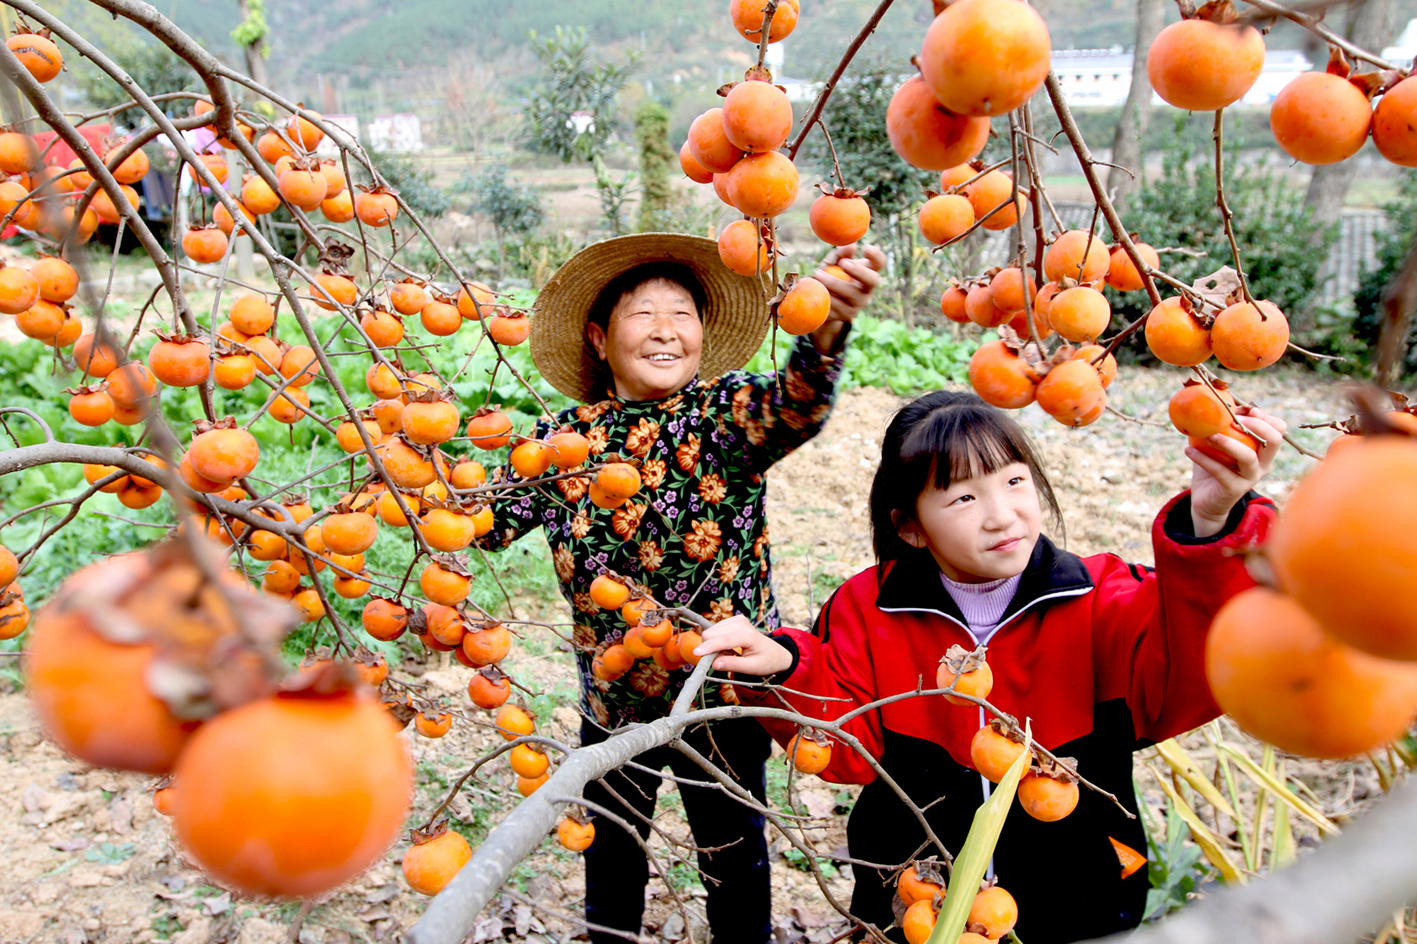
(736, 878)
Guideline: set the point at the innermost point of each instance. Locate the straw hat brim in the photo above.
(735, 315)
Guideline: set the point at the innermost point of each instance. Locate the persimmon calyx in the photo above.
(961, 661)
(1061, 769)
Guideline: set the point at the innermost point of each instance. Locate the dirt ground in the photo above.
(90, 861)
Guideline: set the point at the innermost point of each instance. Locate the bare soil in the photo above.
(90, 861)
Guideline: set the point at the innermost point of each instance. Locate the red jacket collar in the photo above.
(912, 583)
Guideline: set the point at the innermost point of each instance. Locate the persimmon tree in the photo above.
(167, 660)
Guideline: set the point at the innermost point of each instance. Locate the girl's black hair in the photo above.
(936, 439)
(631, 279)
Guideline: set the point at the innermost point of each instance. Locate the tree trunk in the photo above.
(1136, 113)
(1369, 25)
(1398, 303)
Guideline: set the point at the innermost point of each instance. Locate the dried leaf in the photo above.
(1210, 843)
(1188, 770)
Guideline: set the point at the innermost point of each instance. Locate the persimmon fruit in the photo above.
(1320, 118)
(763, 185)
(1047, 798)
(911, 886)
(38, 54)
(433, 727)
(757, 117)
(806, 307)
(993, 753)
(573, 835)
(709, 144)
(224, 454)
(1175, 336)
(1079, 314)
(742, 250)
(488, 692)
(1071, 393)
(1274, 669)
(513, 722)
(293, 795)
(1001, 377)
(1249, 337)
(1394, 132)
(946, 217)
(994, 190)
(839, 220)
(1340, 546)
(1122, 273)
(1196, 410)
(985, 57)
(1078, 255)
(527, 761)
(487, 644)
(918, 922)
(926, 134)
(19, 290)
(695, 171)
(431, 862)
(1197, 65)
(747, 17)
(181, 362)
(993, 914)
(491, 430)
(809, 756)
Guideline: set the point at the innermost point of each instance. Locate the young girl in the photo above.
(1104, 657)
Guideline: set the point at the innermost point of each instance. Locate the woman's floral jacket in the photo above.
(696, 534)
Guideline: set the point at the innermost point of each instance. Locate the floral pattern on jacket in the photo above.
(696, 534)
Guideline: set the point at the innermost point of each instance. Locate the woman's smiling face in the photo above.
(652, 341)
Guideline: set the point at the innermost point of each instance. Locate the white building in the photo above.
(1101, 77)
(1405, 50)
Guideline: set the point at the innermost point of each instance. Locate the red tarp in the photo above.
(61, 153)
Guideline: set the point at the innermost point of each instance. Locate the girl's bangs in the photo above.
(979, 446)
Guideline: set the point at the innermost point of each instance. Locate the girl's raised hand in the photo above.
(761, 654)
(1215, 486)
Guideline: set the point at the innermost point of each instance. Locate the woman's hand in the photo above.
(761, 654)
(848, 296)
(1215, 486)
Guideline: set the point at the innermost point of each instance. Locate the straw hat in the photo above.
(735, 316)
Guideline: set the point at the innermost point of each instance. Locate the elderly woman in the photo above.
(648, 332)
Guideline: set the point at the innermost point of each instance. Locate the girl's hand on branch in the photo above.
(761, 655)
(1215, 486)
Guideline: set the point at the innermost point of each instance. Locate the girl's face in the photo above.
(981, 528)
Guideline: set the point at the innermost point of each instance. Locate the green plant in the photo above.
(1175, 867)
(108, 853)
(656, 159)
(514, 209)
(798, 861)
(887, 353)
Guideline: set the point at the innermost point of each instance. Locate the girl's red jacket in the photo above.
(1104, 657)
